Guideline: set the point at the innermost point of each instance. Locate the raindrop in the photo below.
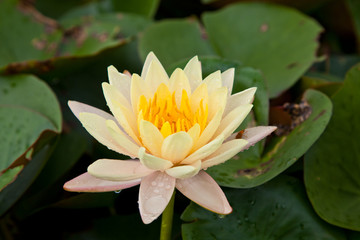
(252, 202)
(239, 222)
(156, 191)
(246, 218)
(153, 183)
(117, 191)
(155, 204)
(221, 216)
(161, 184)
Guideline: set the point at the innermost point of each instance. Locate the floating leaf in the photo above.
(174, 40)
(244, 171)
(277, 210)
(28, 125)
(332, 165)
(278, 40)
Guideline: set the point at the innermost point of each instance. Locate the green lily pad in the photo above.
(30, 117)
(278, 40)
(244, 171)
(39, 44)
(332, 165)
(174, 40)
(277, 210)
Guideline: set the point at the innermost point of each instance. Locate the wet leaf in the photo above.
(332, 164)
(277, 210)
(244, 171)
(275, 39)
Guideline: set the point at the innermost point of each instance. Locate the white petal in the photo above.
(217, 101)
(213, 81)
(156, 75)
(122, 139)
(228, 79)
(233, 120)
(96, 126)
(240, 98)
(203, 190)
(193, 72)
(118, 170)
(224, 153)
(204, 151)
(178, 83)
(176, 147)
(138, 87)
(184, 171)
(151, 137)
(255, 134)
(153, 162)
(87, 183)
(154, 195)
(120, 81)
(78, 107)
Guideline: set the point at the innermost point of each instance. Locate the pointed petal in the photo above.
(224, 153)
(153, 162)
(176, 146)
(122, 139)
(240, 98)
(78, 107)
(200, 93)
(255, 134)
(228, 79)
(178, 83)
(194, 132)
(204, 151)
(217, 101)
(154, 195)
(233, 120)
(185, 171)
(193, 72)
(213, 81)
(156, 75)
(209, 131)
(122, 111)
(149, 58)
(138, 87)
(120, 81)
(96, 126)
(87, 183)
(203, 190)
(118, 170)
(151, 137)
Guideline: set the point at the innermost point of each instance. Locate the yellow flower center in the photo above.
(163, 111)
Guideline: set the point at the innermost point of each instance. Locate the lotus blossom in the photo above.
(172, 128)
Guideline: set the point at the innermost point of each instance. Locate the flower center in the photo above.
(163, 111)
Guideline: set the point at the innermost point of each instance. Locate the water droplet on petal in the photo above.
(155, 204)
(118, 191)
(156, 191)
(153, 183)
(161, 184)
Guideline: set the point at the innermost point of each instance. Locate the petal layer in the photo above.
(203, 190)
(185, 171)
(87, 183)
(153, 162)
(176, 146)
(255, 134)
(154, 195)
(118, 170)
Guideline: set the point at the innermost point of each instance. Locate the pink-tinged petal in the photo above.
(204, 151)
(203, 190)
(153, 162)
(228, 79)
(87, 183)
(78, 107)
(154, 195)
(193, 72)
(240, 98)
(224, 153)
(96, 126)
(119, 80)
(255, 134)
(118, 170)
(184, 171)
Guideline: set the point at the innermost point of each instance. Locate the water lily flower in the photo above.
(172, 128)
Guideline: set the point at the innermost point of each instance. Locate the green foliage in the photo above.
(277, 210)
(332, 164)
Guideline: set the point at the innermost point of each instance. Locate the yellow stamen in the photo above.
(165, 114)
